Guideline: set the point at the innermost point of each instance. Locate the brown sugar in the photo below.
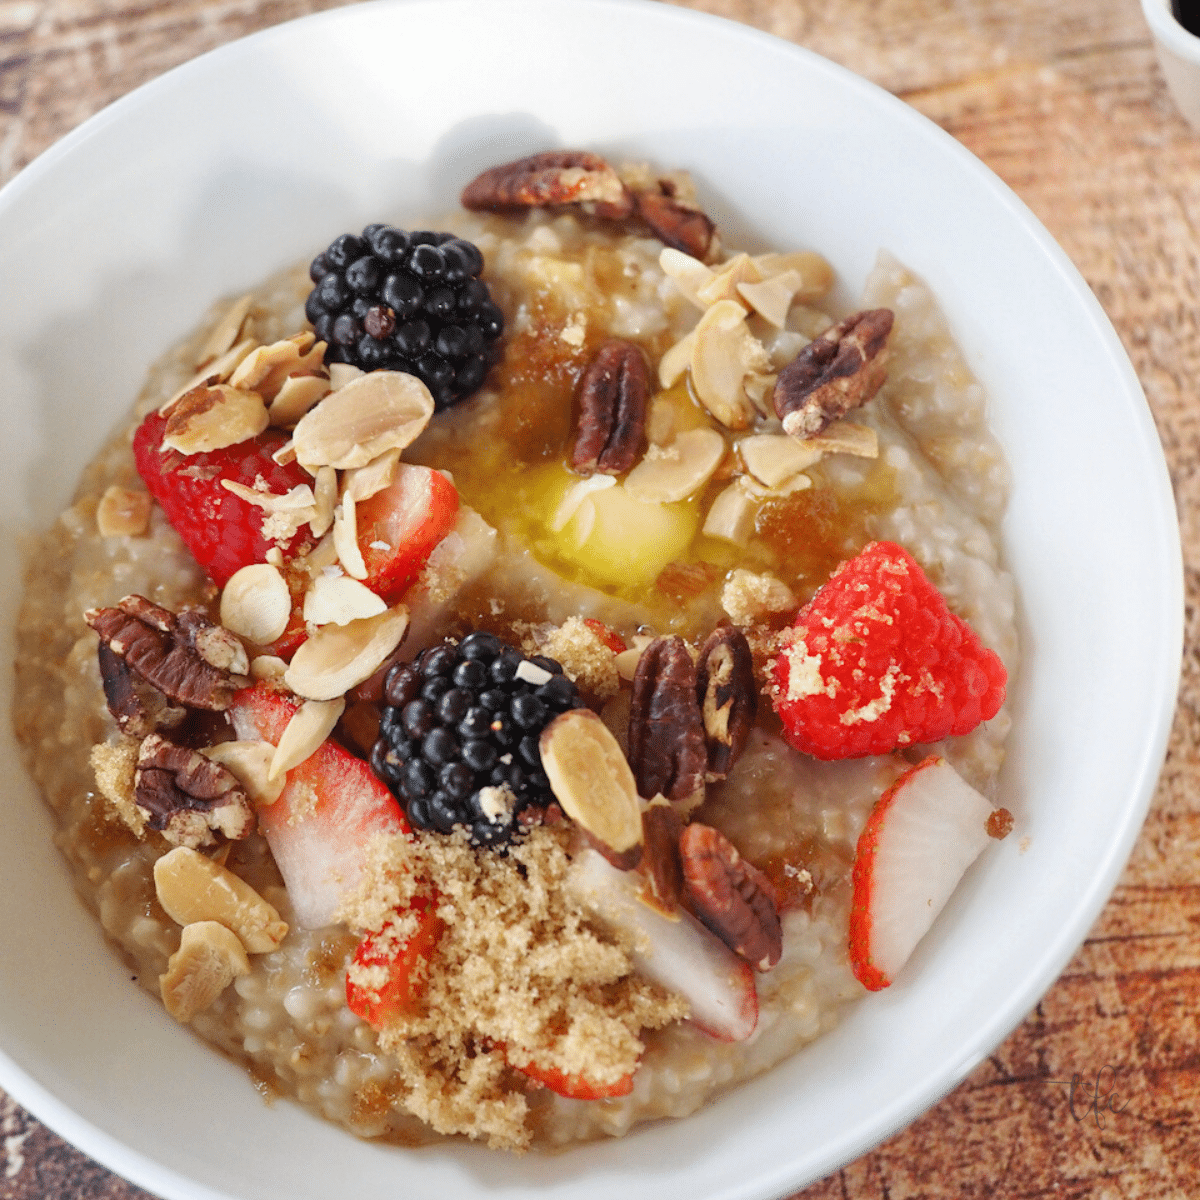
(521, 976)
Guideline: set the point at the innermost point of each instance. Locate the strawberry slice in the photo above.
(921, 836)
(877, 661)
(222, 531)
(680, 954)
(404, 961)
(399, 527)
(331, 806)
(577, 1087)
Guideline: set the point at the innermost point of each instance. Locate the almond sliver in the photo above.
(339, 657)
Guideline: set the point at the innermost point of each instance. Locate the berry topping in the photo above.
(458, 739)
(410, 302)
(876, 661)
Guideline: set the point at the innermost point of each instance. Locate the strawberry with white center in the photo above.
(921, 836)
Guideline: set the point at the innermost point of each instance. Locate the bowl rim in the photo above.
(153, 1175)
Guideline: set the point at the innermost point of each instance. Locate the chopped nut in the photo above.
(775, 458)
(256, 603)
(211, 418)
(611, 399)
(666, 732)
(678, 470)
(724, 353)
(125, 703)
(187, 658)
(304, 734)
(267, 666)
(999, 823)
(345, 539)
(211, 373)
(816, 275)
(210, 957)
(265, 368)
(837, 372)
(846, 437)
(591, 779)
(687, 273)
(550, 179)
(338, 657)
(338, 600)
(296, 395)
(731, 516)
(730, 896)
(674, 222)
(573, 500)
(187, 797)
(123, 512)
(728, 697)
(250, 763)
(325, 494)
(376, 412)
(361, 483)
(772, 298)
(226, 331)
(661, 863)
(192, 888)
(726, 279)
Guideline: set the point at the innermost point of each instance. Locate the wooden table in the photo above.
(1064, 100)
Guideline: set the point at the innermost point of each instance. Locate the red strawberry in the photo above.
(399, 527)
(223, 531)
(876, 661)
(405, 961)
(922, 834)
(331, 806)
(577, 1087)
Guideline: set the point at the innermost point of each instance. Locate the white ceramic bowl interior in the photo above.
(1178, 53)
(115, 242)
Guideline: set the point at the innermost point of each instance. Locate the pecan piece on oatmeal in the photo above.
(728, 697)
(674, 222)
(187, 797)
(549, 179)
(661, 864)
(611, 399)
(732, 897)
(837, 372)
(666, 732)
(186, 657)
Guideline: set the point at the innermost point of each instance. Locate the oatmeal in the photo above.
(446, 685)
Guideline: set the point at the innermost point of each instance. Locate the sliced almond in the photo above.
(661, 421)
(341, 374)
(773, 458)
(296, 395)
(760, 491)
(575, 496)
(339, 657)
(305, 733)
(225, 332)
(724, 352)
(210, 957)
(676, 361)
(250, 763)
(380, 411)
(192, 888)
(591, 779)
(688, 274)
(267, 666)
(325, 491)
(265, 368)
(322, 555)
(345, 539)
(217, 371)
(211, 418)
(726, 279)
(338, 600)
(847, 437)
(816, 275)
(256, 603)
(772, 298)
(731, 516)
(361, 483)
(123, 512)
(677, 471)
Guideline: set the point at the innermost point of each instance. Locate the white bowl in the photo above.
(1178, 53)
(115, 241)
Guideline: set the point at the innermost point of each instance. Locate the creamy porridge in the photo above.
(612, 505)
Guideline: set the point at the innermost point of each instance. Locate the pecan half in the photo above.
(660, 864)
(611, 399)
(732, 897)
(837, 372)
(186, 657)
(187, 797)
(552, 178)
(676, 224)
(728, 697)
(666, 734)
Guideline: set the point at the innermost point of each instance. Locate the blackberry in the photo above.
(458, 738)
(413, 302)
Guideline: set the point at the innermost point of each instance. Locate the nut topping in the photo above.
(591, 779)
(213, 417)
(549, 179)
(123, 512)
(187, 658)
(838, 372)
(187, 797)
(611, 397)
(730, 896)
(679, 469)
(666, 734)
(728, 697)
(676, 224)
(661, 864)
(210, 957)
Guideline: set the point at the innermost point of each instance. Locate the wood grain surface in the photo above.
(1065, 101)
